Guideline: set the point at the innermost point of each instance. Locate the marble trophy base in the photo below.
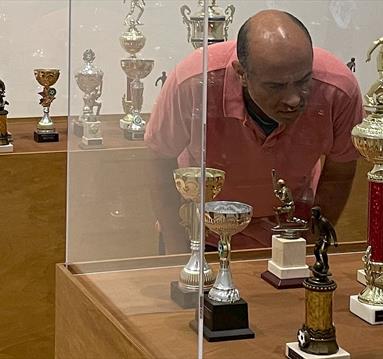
(45, 136)
(225, 321)
(372, 314)
(134, 135)
(90, 143)
(294, 352)
(287, 268)
(361, 276)
(186, 299)
(6, 148)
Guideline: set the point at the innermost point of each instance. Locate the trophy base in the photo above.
(372, 314)
(225, 321)
(361, 276)
(280, 283)
(46, 136)
(91, 143)
(78, 129)
(294, 352)
(134, 135)
(184, 298)
(6, 148)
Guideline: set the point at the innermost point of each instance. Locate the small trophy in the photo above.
(5, 137)
(225, 312)
(219, 21)
(316, 338)
(185, 291)
(133, 41)
(45, 128)
(287, 268)
(89, 80)
(367, 137)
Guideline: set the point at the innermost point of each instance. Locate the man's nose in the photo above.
(292, 99)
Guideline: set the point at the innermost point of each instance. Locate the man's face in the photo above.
(280, 86)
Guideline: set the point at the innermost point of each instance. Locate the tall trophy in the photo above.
(287, 268)
(368, 139)
(316, 338)
(5, 137)
(219, 21)
(136, 69)
(225, 312)
(45, 131)
(185, 291)
(89, 80)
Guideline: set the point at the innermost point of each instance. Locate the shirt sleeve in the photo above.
(169, 128)
(348, 112)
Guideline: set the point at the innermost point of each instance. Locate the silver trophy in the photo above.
(219, 21)
(89, 80)
(133, 41)
(226, 219)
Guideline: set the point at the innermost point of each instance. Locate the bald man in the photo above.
(274, 102)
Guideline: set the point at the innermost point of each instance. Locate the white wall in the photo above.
(35, 33)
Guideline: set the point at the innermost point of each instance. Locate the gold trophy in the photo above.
(367, 137)
(45, 128)
(316, 338)
(225, 312)
(5, 137)
(184, 291)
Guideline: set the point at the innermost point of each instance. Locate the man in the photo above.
(273, 103)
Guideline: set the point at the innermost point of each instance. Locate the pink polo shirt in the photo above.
(237, 145)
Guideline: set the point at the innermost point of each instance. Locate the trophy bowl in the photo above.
(187, 182)
(88, 82)
(227, 218)
(46, 77)
(137, 68)
(132, 41)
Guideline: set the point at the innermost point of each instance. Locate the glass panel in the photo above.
(134, 167)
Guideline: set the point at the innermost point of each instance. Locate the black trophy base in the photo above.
(184, 298)
(282, 283)
(78, 129)
(134, 135)
(225, 321)
(46, 136)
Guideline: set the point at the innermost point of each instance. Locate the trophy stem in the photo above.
(46, 122)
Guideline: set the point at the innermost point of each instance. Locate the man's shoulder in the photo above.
(329, 70)
(219, 56)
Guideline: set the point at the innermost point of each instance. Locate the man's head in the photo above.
(275, 63)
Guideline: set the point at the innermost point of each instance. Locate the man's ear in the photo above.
(240, 71)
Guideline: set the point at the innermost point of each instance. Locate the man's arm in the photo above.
(334, 188)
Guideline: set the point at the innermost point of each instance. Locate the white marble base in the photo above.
(91, 141)
(293, 352)
(361, 276)
(288, 258)
(372, 314)
(6, 148)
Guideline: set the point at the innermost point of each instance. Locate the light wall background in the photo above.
(40, 33)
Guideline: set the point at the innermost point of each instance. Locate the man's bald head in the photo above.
(271, 30)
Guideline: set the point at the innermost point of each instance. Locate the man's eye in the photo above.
(276, 86)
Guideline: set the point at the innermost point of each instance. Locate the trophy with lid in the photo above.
(45, 131)
(136, 69)
(219, 21)
(316, 338)
(5, 137)
(367, 137)
(287, 267)
(89, 80)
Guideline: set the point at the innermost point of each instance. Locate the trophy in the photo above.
(133, 41)
(225, 312)
(367, 137)
(287, 268)
(89, 80)
(219, 21)
(316, 338)
(185, 291)
(5, 137)
(45, 128)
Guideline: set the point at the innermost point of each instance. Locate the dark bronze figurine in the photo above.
(3, 102)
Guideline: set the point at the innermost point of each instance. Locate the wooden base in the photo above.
(282, 283)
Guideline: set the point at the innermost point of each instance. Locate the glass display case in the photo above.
(148, 168)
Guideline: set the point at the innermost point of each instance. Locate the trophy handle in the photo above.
(230, 10)
(185, 12)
